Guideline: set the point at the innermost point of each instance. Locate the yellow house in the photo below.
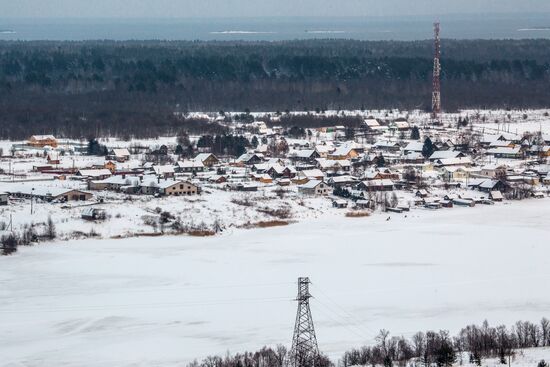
(40, 141)
(343, 153)
(110, 165)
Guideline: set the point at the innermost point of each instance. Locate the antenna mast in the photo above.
(436, 86)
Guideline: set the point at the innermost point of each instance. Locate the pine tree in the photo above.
(415, 133)
(254, 142)
(50, 229)
(428, 148)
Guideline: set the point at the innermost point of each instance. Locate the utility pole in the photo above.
(32, 196)
(304, 352)
(436, 82)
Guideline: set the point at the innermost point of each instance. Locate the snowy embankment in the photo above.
(165, 301)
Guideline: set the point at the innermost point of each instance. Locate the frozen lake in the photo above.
(163, 301)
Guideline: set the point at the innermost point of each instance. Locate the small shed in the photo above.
(4, 198)
(538, 195)
(496, 195)
(340, 203)
(363, 204)
(93, 214)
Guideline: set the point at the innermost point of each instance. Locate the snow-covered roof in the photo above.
(43, 137)
(162, 170)
(499, 143)
(504, 150)
(495, 194)
(311, 184)
(203, 156)
(121, 152)
(454, 161)
(120, 180)
(305, 153)
(190, 164)
(27, 189)
(343, 179)
(312, 173)
(413, 155)
(345, 149)
(379, 182)
(443, 154)
(247, 156)
(385, 144)
(331, 163)
(414, 146)
(321, 149)
(94, 172)
(371, 122)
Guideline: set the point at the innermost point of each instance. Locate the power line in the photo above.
(148, 305)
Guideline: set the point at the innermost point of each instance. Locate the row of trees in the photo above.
(224, 144)
(27, 236)
(439, 348)
(131, 89)
(430, 348)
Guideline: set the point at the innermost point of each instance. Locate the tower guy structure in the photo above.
(436, 83)
(304, 351)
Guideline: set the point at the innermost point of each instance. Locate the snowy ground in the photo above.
(229, 209)
(164, 301)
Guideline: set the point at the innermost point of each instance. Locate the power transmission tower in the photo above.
(436, 83)
(304, 350)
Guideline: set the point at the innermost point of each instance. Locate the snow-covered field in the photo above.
(165, 301)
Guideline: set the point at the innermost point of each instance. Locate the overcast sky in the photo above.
(252, 8)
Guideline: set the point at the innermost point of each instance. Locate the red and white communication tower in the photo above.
(436, 87)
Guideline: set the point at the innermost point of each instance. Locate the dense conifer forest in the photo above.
(83, 89)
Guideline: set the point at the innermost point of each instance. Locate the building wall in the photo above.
(180, 189)
(43, 143)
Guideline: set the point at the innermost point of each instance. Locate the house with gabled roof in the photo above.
(376, 185)
(446, 154)
(41, 141)
(190, 166)
(207, 159)
(119, 154)
(506, 152)
(315, 187)
(164, 171)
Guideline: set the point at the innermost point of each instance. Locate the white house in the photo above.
(314, 187)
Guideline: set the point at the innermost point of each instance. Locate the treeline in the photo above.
(431, 348)
(309, 120)
(27, 236)
(476, 341)
(226, 145)
(69, 88)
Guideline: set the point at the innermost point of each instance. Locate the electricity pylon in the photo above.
(304, 350)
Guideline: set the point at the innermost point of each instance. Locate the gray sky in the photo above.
(251, 8)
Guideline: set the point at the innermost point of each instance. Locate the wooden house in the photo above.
(119, 155)
(52, 157)
(207, 159)
(41, 141)
(376, 185)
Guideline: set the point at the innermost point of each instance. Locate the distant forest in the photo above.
(84, 89)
